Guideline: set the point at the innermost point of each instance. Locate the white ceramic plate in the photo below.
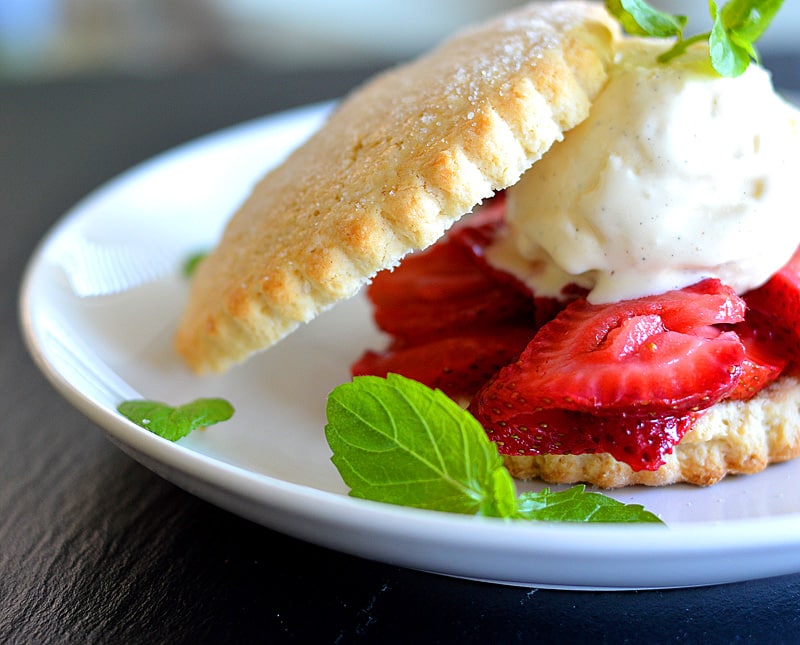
(271, 462)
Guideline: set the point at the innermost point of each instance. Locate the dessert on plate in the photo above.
(618, 308)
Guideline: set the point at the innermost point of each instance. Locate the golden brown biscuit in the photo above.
(731, 438)
(399, 161)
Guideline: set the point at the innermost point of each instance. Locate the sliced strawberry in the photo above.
(641, 442)
(477, 233)
(457, 365)
(450, 288)
(764, 359)
(454, 319)
(708, 302)
(778, 302)
(442, 271)
(627, 378)
(440, 292)
(635, 357)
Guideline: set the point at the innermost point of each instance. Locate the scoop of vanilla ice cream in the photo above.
(676, 175)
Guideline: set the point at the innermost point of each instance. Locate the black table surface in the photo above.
(96, 548)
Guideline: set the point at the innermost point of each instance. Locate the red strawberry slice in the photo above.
(764, 359)
(477, 233)
(641, 442)
(450, 288)
(708, 302)
(635, 357)
(443, 291)
(778, 302)
(454, 320)
(457, 365)
(452, 266)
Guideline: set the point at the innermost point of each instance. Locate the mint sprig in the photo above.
(173, 423)
(640, 19)
(736, 28)
(577, 505)
(395, 440)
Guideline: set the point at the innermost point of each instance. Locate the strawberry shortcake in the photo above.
(621, 307)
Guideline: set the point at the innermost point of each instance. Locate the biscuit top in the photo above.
(398, 162)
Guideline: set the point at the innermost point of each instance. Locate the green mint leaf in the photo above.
(640, 19)
(173, 423)
(192, 262)
(747, 20)
(395, 440)
(727, 57)
(501, 494)
(577, 505)
(737, 26)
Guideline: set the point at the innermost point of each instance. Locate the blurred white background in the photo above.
(45, 38)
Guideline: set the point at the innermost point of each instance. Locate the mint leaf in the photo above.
(173, 423)
(727, 57)
(576, 505)
(192, 262)
(747, 20)
(395, 440)
(501, 497)
(640, 19)
(737, 27)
